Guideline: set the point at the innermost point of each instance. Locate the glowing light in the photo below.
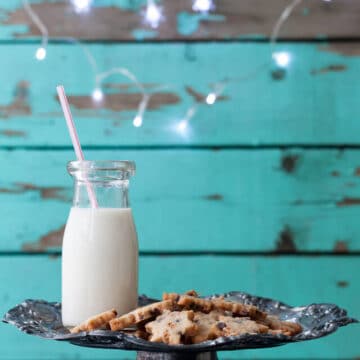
(282, 58)
(40, 53)
(210, 99)
(203, 5)
(137, 122)
(153, 14)
(81, 5)
(182, 126)
(97, 94)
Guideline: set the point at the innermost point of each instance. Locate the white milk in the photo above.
(99, 263)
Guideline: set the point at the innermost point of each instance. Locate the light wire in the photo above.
(218, 87)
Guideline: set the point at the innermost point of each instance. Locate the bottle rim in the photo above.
(101, 165)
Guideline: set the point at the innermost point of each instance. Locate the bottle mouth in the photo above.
(106, 169)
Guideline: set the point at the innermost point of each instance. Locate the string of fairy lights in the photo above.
(153, 15)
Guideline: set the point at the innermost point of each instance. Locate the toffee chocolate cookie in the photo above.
(172, 327)
(140, 314)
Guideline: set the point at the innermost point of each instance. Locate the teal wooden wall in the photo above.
(263, 193)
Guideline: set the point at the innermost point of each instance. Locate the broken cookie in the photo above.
(95, 322)
(140, 314)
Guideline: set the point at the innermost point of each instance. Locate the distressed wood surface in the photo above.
(122, 20)
(337, 282)
(203, 200)
(317, 102)
(211, 200)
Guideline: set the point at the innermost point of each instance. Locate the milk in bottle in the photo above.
(100, 248)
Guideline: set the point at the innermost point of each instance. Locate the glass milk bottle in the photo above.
(100, 247)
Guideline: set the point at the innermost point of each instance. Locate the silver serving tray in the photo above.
(43, 319)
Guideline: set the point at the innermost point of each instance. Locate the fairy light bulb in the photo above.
(202, 5)
(137, 122)
(182, 126)
(210, 99)
(40, 53)
(153, 14)
(81, 5)
(282, 58)
(97, 95)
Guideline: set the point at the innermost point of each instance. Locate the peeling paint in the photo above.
(278, 74)
(322, 37)
(342, 284)
(13, 133)
(200, 98)
(190, 53)
(347, 201)
(214, 197)
(105, 22)
(46, 192)
(189, 23)
(288, 163)
(116, 20)
(327, 69)
(52, 239)
(143, 34)
(343, 48)
(341, 247)
(122, 102)
(252, 36)
(305, 11)
(320, 202)
(357, 171)
(285, 242)
(20, 104)
(335, 173)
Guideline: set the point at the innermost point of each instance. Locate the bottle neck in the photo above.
(112, 194)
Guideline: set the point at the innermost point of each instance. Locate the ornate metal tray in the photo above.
(41, 318)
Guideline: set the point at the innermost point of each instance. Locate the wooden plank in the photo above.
(198, 200)
(122, 20)
(324, 279)
(315, 103)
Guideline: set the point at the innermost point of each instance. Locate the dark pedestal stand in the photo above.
(143, 355)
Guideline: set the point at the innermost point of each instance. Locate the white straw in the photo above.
(75, 139)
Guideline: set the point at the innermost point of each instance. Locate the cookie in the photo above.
(175, 297)
(144, 313)
(191, 302)
(238, 309)
(95, 322)
(172, 327)
(171, 296)
(285, 327)
(229, 326)
(192, 293)
(206, 306)
(205, 323)
(215, 324)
